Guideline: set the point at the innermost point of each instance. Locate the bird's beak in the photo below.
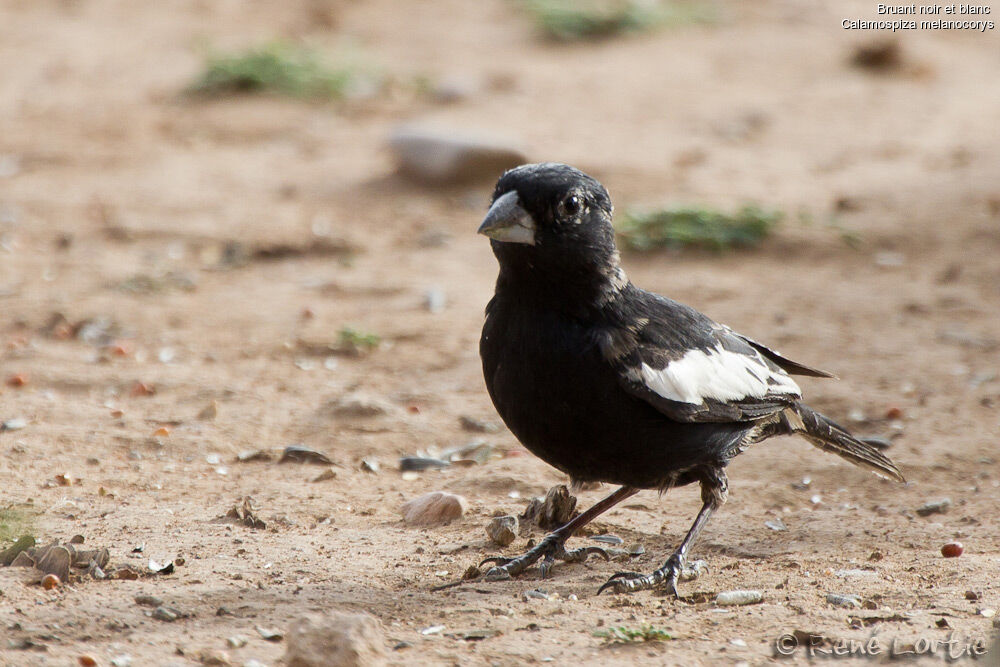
(507, 221)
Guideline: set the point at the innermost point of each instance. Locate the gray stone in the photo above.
(450, 156)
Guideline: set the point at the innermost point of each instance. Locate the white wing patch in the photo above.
(717, 374)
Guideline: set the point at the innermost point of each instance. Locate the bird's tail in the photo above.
(834, 438)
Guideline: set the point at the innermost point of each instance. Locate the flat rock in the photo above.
(433, 508)
(440, 155)
(337, 639)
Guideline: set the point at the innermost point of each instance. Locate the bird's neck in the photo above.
(576, 291)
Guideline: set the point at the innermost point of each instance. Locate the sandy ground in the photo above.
(113, 181)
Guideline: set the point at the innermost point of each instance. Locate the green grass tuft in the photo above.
(277, 67)
(357, 341)
(14, 523)
(575, 20)
(683, 227)
(623, 635)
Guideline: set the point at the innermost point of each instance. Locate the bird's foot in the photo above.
(551, 548)
(673, 571)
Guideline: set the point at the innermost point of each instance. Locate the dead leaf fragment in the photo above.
(245, 513)
(552, 511)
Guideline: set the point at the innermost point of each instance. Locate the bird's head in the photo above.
(551, 221)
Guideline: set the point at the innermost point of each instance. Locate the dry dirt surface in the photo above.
(204, 256)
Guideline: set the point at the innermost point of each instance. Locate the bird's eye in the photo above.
(570, 206)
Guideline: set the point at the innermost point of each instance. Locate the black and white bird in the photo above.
(610, 383)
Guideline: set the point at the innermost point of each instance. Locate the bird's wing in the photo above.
(692, 369)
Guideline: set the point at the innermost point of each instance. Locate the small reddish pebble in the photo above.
(142, 389)
(413, 409)
(894, 413)
(307, 313)
(162, 432)
(952, 550)
(120, 350)
(17, 380)
(87, 661)
(117, 414)
(50, 581)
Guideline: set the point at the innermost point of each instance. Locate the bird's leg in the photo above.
(552, 545)
(714, 490)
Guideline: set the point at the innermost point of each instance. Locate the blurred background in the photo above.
(230, 225)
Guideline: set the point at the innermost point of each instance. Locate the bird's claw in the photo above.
(672, 572)
(550, 549)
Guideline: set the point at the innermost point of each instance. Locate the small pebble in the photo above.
(894, 413)
(165, 614)
(476, 425)
(432, 630)
(433, 508)
(209, 412)
(502, 530)
(843, 600)
(776, 524)
(435, 300)
(420, 463)
(148, 600)
(733, 598)
(13, 425)
(856, 572)
(270, 634)
(934, 507)
(889, 259)
(447, 155)
(87, 661)
(215, 659)
(952, 550)
(534, 594)
(50, 582)
(236, 641)
(298, 454)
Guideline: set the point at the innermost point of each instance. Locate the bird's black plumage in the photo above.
(608, 382)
